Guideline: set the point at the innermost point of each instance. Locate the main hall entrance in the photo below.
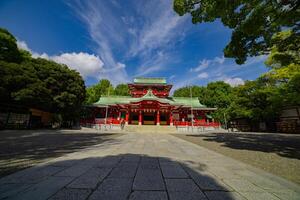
(149, 118)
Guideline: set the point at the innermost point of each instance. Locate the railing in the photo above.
(197, 123)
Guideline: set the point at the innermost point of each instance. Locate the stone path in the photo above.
(145, 166)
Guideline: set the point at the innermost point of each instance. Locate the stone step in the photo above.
(150, 129)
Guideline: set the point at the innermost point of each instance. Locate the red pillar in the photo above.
(171, 119)
(127, 117)
(140, 117)
(120, 115)
(158, 118)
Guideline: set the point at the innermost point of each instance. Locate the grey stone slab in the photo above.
(207, 181)
(149, 160)
(221, 195)
(148, 195)
(124, 171)
(131, 158)
(291, 195)
(149, 165)
(181, 185)
(173, 171)
(39, 175)
(44, 190)
(11, 189)
(32, 175)
(148, 179)
(187, 196)
(241, 185)
(108, 162)
(90, 179)
(74, 171)
(64, 163)
(259, 195)
(116, 184)
(71, 194)
(110, 195)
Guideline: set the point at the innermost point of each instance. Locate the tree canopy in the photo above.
(38, 83)
(254, 22)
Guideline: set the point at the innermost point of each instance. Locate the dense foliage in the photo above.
(38, 83)
(260, 100)
(254, 22)
(105, 88)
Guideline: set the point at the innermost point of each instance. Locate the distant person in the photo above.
(122, 124)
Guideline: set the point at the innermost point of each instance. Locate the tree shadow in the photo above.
(281, 144)
(123, 176)
(19, 151)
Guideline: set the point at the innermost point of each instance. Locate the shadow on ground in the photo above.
(125, 176)
(19, 150)
(283, 145)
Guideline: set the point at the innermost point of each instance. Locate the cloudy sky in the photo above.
(123, 39)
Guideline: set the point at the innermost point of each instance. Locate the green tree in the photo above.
(38, 83)
(8, 47)
(254, 22)
(186, 91)
(102, 88)
(122, 90)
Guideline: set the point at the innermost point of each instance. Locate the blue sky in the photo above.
(123, 39)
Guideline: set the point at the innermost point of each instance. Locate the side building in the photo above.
(149, 103)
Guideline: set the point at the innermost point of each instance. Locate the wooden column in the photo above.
(171, 119)
(140, 117)
(127, 117)
(158, 118)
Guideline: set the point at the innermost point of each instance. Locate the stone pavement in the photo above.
(145, 166)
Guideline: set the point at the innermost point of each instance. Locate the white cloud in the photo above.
(203, 75)
(86, 64)
(234, 81)
(203, 64)
(159, 30)
(23, 45)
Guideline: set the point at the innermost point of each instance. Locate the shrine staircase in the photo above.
(150, 129)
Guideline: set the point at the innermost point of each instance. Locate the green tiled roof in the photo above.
(142, 80)
(176, 101)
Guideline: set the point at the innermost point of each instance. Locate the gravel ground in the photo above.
(278, 154)
(20, 149)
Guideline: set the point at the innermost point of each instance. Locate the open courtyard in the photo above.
(93, 165)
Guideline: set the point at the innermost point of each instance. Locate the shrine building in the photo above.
(149, 103)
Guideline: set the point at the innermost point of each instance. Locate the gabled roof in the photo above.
(143, 80)
(149, 96)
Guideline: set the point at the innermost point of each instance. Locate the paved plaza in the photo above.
(145, 166)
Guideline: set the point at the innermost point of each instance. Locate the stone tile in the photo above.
(149, 160)
(187, 196)
(291, 195)
(173, 171)
(90, 179)
(74, 171)
(11, 189)
(259, 195)
(110, 195)
(221, 195)
(131, 158)
(148, 179)
(241, 185)
(148, 195)
(71, 194)
(181, 185)
(109, 162)
(44, 190)
(207, 181)
(116, 184)
(39, 175)
(124, 170)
